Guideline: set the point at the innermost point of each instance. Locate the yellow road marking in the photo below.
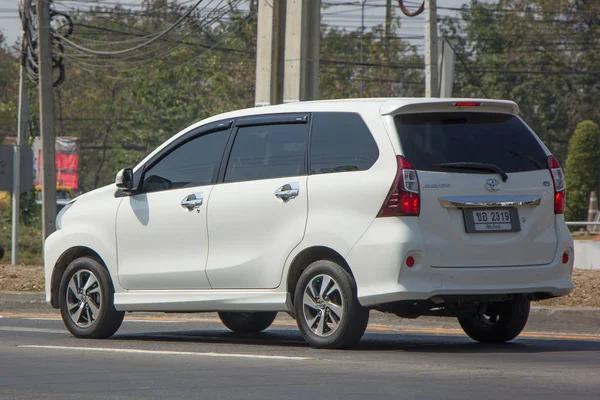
(376, 328)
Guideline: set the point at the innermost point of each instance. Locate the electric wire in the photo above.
(119, 52)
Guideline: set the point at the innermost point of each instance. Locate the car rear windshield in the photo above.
(430, 140)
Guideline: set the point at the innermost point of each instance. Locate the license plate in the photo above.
(491, 220)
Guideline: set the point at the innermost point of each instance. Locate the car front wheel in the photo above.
(86, 300)
(497, 322)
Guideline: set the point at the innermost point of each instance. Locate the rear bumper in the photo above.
(378, 264)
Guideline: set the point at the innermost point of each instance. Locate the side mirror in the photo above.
(124, 179)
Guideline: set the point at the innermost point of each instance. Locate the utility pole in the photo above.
(388, 28)
(22, 140)
(388, 42)
(362, 41)
(431, 50)
(46, 118)
(269, 52)
(302, 47)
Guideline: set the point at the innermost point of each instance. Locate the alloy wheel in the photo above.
(84, 298)
(323, 305)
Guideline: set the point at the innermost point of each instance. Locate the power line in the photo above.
(513, 10)
(224, 49)
(354, 63)
(470, 9)
(118, 52)
(533, 72)
(90, 67)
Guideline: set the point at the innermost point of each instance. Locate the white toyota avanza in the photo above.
(325, 210)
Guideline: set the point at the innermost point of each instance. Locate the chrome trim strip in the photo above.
(489, 201)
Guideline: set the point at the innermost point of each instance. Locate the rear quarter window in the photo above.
(431, 139)
(341, 142)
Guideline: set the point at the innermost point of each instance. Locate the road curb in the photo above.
(10, 301)
(542, 319)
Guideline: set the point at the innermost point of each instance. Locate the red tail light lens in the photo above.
(403, 198)
(559, 202)
(558, 178)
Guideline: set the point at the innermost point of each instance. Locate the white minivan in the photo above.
(324, 210)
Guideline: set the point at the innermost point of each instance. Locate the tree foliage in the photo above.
(543, 54)
(122, 108)
(582, 169)
(9, 75)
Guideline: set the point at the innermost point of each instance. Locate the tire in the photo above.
(92, 315)
(327, 310)
(499, 322)
(247, 322)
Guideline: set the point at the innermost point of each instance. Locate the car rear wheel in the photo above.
(86, 298)
(497, 322)
(247, 322)
(327, 310)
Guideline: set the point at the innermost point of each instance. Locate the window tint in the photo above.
(431, 139)
(267, 151)
(192, 164)
(341, 142)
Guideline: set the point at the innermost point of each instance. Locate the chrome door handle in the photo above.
(193, 201)
(288, 191)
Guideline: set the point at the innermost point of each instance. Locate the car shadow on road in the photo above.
(371, 342)
(439, 343)
(271, 338)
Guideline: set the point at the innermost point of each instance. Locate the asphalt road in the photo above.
(197, 358)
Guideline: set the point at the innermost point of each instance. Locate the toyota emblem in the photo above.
(492, 185)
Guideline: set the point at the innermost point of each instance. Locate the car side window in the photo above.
(341, 142)
(268, 151)
(194, 163)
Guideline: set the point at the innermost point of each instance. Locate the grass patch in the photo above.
(30, 243)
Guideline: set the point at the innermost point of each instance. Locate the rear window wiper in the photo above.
(479, 166)
(527, 157)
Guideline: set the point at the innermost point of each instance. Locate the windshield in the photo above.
(430, 140)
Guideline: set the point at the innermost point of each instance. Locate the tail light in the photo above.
(558, 176)
(467, 104)
(403, 198)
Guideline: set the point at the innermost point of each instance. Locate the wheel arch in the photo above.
(63, 262)
(307, 257)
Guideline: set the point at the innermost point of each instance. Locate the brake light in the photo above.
(403, 198)
(558, 177)
(467, 104)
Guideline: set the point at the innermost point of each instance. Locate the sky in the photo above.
(348, 16)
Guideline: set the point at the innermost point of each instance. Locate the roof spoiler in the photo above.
(400, 106)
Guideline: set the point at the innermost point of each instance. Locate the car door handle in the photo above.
(193, 201)
(288, 191)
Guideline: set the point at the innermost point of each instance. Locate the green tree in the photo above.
(543, 54)
(582, 169)
(9, 81)
(121, 108)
